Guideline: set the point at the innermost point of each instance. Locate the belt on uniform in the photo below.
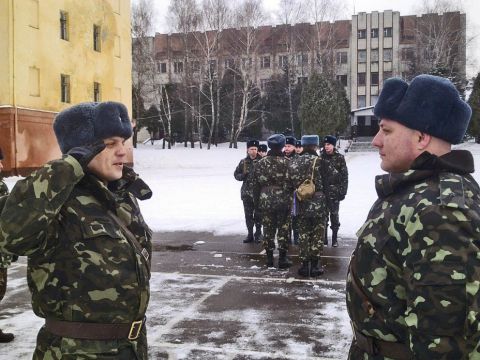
(374, 346)
(94, 331)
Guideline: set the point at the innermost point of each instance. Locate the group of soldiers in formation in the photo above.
(269, 194)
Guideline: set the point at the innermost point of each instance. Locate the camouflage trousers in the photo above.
(3, 282)
(334, 207)
(311, 231)
(52, 347)
(252, 217)
(277, 224)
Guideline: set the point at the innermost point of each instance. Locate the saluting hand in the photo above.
(85, 154)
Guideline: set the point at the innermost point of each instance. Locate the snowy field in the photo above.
(194, 189)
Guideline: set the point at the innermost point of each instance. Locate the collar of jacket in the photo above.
(424, 166)
(275, 153)
(257, 157)
(132, 183)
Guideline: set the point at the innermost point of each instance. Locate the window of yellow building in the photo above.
(97, 38)
(97, 92)
(65, 88)
(63, 25)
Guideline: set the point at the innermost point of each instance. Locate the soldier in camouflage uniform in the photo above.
(337, 186)
(244, 172)
(289, 149)
(413, 282)
(272, 196)
(298, 147)
(311, 213)
(5, 260)
(262, 150)
(78, 221)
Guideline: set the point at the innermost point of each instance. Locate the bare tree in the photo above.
(249, 15)
(142, 20)
(441, 39)
(184, 17)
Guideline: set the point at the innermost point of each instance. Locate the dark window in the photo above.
(283, 61)
(361, 79)
(302, 59)
(265, 64)
(342, 57)
(96, 38)
(374, 78)
(178, 67)
(302, 79)
(63, 25)
(387, 54)
(361, 101)
(387, 32)
(374, 33)
(195, 65)
(229, 63)
(162, 67)
(362, 34)
(342, 79)
(362, 56)
(374, 55)
(65, 88)
(97, 92)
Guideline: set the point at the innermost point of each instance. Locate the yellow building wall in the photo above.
(38, 46)
(5, 54)
(32, 58)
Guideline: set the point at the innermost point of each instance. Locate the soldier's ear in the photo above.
(423, 140)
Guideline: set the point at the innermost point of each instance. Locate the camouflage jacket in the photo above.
(271, 188)
(292, 156)
(81, 266)
(337, 185)
(417, 260)
(300, 170)
(5, 260)
(244, 172)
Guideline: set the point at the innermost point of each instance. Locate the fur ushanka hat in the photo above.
(276, 141)
(430, 104)
(329, 139)
(252, 143)
(310, 140)
(88, 122)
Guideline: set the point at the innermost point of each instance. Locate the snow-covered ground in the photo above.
(194, 189)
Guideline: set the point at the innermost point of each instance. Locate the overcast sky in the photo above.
(405, 7)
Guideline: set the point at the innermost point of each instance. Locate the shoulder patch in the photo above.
(451, 190)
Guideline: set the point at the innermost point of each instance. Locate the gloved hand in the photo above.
(85, 154)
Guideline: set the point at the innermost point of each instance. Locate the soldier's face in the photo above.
(299, 149)
(252, 152)
(108, 164)
(397, 146)
(289, 148)
(1, 166)
(328, 148)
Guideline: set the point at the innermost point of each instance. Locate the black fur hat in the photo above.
(262, 148)
(330, 140)
(276, 141)
(252, 143)
(88, 122)
(298, 143)
(290, 140)
(430, 104)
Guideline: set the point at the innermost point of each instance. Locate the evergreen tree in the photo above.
(474, 102)
(324, 107)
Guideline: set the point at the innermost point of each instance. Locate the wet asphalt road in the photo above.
(213, 298)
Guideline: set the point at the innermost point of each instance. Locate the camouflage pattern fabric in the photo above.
(3, 282)
(272, 197)
(3, 188)
(252, 216)
(311, 213)
(244, 172)
(417, 261)
(5, 259)
(337, 185)
(80, 265)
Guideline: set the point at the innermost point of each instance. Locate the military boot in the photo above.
(249, 237)
(317, 268)
(304, 269)
(269, 258)
(283, 261)
(6, 337)
(334, 238)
